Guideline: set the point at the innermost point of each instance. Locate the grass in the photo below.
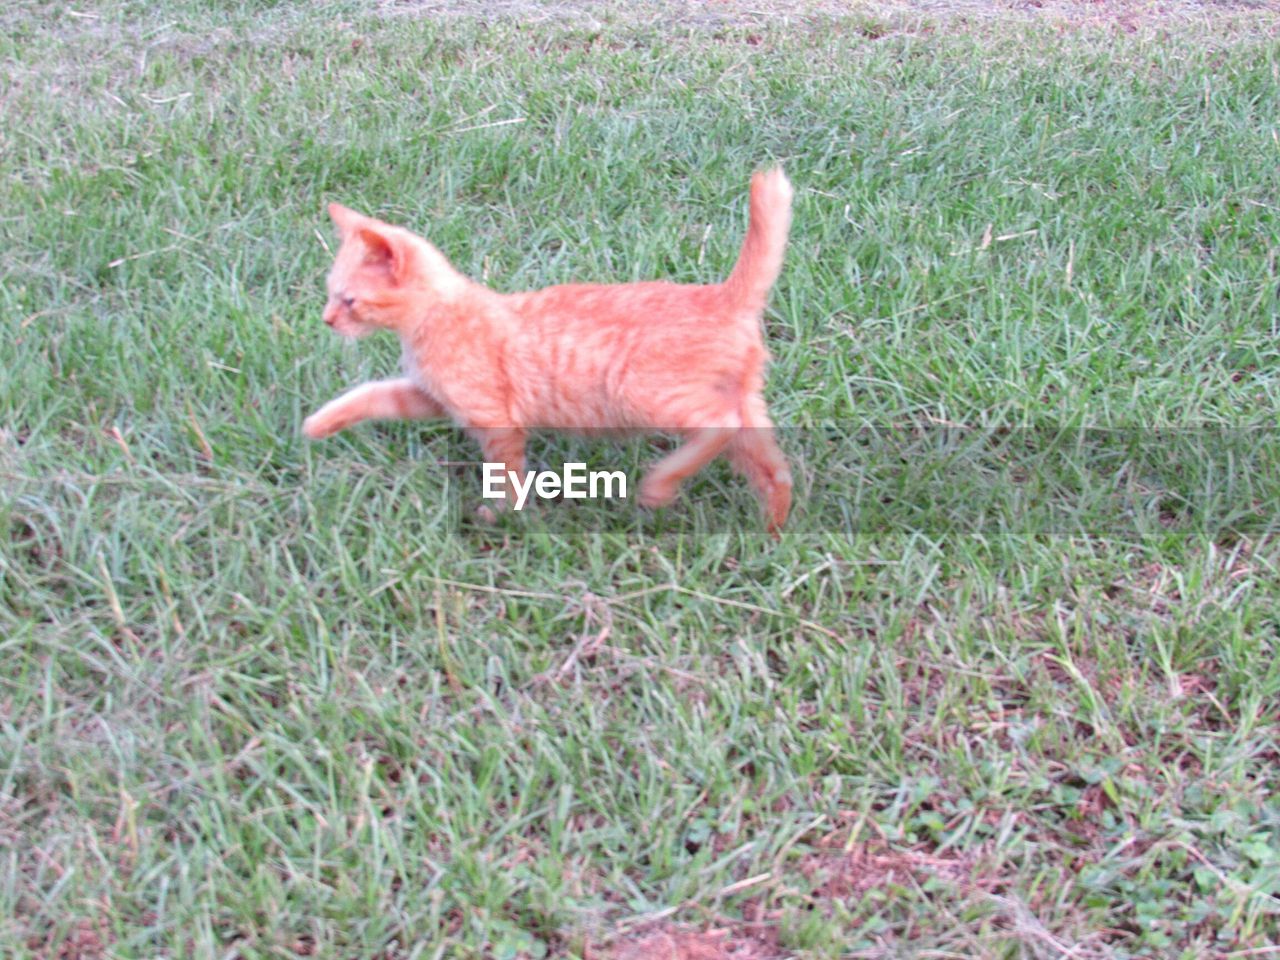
(1006, 688)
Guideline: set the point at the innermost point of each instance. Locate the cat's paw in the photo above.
(318, 426)
(488, 513)
(655, 493)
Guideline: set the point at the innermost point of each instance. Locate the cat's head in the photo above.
(383, 277)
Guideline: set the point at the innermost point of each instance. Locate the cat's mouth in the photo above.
(350, 329)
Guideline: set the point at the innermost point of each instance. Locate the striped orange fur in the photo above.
(649, 356)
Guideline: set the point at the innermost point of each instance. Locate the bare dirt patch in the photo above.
(89, 940)
(680, 943)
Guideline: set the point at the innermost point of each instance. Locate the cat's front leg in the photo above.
(398, 399)
(504, 446)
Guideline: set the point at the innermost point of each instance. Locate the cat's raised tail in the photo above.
(760, 262)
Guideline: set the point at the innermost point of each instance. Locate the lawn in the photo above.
(1006, 687)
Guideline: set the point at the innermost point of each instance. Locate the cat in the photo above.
(647, 356)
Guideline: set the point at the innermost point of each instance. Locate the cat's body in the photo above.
(651, 356)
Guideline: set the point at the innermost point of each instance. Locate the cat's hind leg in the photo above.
(754, 453)
(662, 482)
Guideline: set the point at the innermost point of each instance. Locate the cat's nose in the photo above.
(330, 315)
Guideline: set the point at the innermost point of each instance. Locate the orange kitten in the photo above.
(686, 358)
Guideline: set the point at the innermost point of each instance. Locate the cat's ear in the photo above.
(343, 218)
(386, 250)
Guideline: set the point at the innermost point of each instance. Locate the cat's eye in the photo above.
(348, 302)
